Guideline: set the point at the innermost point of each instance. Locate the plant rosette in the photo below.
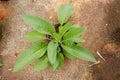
(52, 44)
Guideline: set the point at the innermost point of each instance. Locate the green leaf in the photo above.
(1, 64)
(55, 65)
(29, 55)
(58, 50)
(39, 24)
(74, 32)
(76, 25)
(41, 64)
(68, 55)
(61, 59)
(68, 43)
(79, 52)
(34, 36)
(57, 37)
(78, 40)
(58, 63)
(65, 28)
(64, 12)
(52, 51)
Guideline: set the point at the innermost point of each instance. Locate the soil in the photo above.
(0, 32)
(3, 11)
(100, 17)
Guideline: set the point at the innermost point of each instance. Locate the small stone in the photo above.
(10, 69)
(50, 17)
(106, 24)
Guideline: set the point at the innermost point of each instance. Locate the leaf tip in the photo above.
(15, 70)
(24, 17)
(94, 60)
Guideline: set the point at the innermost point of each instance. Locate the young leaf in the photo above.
(64, 12)
(34, 36)
(65, 28)
(68, 55)
(39, 24)
(74, 32)
(52, 51)
(29, 55)
(58, 63)
(57, 37)
(41, 64)
(79, 52)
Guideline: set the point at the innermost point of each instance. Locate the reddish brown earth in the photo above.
(3, 11)
(102, 19)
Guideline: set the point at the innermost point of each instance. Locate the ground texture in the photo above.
(102, 19)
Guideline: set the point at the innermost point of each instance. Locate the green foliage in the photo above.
(34, 36)
(65, 28)
(29, 55)
(39, 24)
(58, 63)
(52, 51)
(64, 12)
(79, 52)
(1, 64)
(53, 44)
(42, 63)
(73, 33)
(68, 55)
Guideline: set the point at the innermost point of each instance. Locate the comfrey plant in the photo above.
(53, 44)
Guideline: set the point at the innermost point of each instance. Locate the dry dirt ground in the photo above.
(102, 19)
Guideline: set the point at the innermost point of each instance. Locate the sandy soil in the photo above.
(101, 17)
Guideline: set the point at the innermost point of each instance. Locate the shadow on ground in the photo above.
(0, 48)
(110, 69)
